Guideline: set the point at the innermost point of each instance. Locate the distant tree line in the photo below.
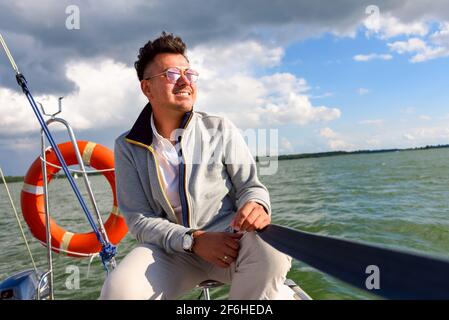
(340, 153)
(57, 176)
(12, 179)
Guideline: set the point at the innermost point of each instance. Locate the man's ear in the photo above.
(146, 88)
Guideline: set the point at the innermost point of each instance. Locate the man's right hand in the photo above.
(218, 248)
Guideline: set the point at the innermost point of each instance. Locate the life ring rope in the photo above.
(69, 253)
(75, 170)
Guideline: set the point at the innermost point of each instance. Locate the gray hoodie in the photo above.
(217, 176)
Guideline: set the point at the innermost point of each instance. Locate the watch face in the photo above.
(187, 242)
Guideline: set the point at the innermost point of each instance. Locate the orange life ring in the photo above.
(32, 200)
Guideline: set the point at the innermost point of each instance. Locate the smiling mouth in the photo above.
(182, 94)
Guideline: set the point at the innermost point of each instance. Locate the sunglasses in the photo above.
(173, 74)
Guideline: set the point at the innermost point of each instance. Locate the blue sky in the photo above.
(393, 91)
(325, 76)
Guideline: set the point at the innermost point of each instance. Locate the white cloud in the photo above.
(419, 43)
(285, 83)
(296, 109)
(334, 139)
(387, 26)
(372, 56)
(108, 93)
(339, 144)
(286, 146)
(431, 132)
(328, 133)
(224, 60)
(436, 134)
(411, 45)
(363, 91)
(400, 135)
(441, 36)
(420, 50)
(425, 118)
(17, 116)
(229, 86)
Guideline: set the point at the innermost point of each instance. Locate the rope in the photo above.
(83, 255)
(91, 256)
(8, 54)
(90, 262)
(74, 253)
(18, 221)
(74, 170)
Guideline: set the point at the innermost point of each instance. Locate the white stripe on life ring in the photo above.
(115, 211)
(87, 153)
(66, 240)
(29, 188)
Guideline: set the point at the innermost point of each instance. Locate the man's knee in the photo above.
(111, 289)
(128, 281)
(270, 261)
(119, 286)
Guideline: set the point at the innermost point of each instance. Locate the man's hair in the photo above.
(166, 43)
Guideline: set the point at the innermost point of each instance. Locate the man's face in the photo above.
(162, 94)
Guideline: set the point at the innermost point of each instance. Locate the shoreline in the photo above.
(294, 156)
(342, 153)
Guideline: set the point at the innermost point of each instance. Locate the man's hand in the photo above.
(252, 216)
(219, 248)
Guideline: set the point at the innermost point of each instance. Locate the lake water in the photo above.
(399, 200)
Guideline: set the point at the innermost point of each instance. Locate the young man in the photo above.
(185, 182)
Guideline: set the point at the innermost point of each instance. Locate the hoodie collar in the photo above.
(141, 131)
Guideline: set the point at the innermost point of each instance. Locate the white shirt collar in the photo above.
(163, 146)
(156, 134)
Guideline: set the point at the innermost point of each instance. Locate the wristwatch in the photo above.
(188, 240)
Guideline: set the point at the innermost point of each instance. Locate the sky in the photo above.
(324, 75)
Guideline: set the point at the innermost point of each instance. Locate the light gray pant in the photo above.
(148, 272)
